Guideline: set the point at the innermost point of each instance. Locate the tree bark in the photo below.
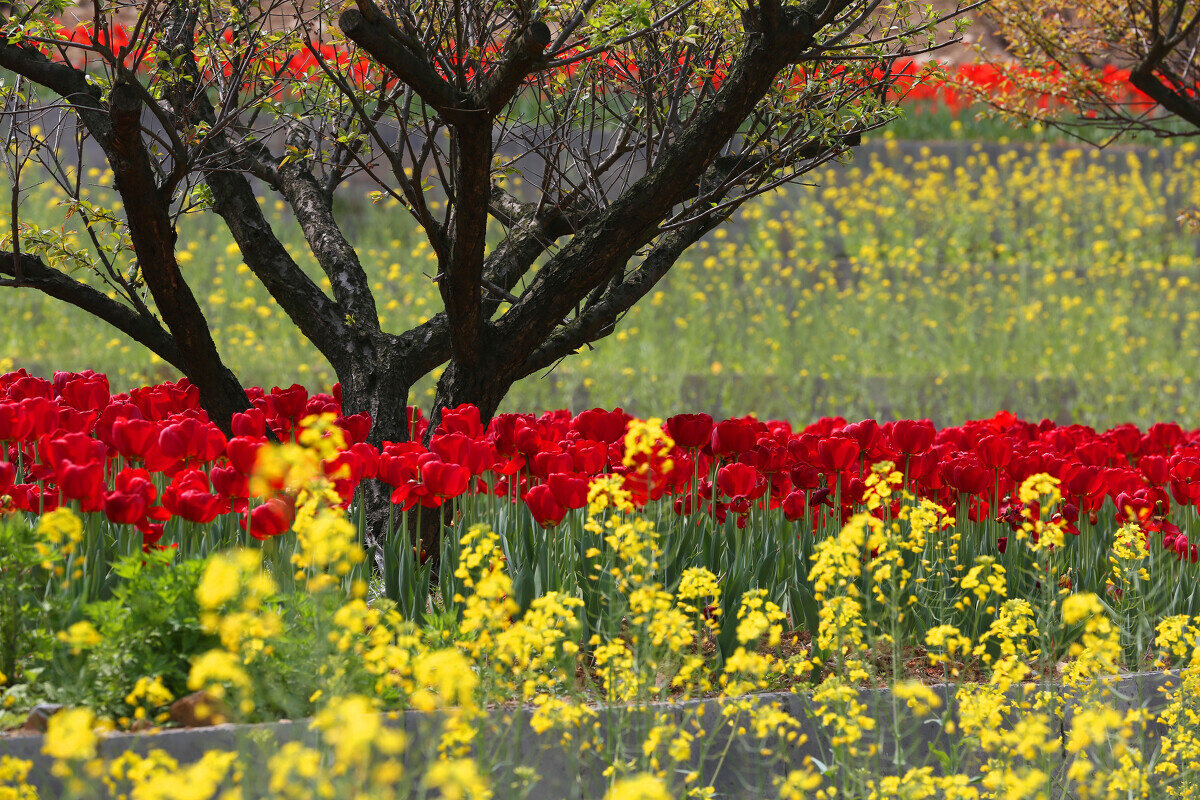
(377, 385)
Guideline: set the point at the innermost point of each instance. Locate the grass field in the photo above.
(942, 281)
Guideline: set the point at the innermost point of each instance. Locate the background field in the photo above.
(943, 280)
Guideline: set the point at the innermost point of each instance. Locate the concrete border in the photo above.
(733, 765)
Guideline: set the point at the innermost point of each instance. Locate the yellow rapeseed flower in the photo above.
(70, 735)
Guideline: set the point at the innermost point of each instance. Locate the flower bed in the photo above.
(952, 86)
(593, 566)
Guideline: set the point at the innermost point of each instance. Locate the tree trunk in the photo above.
(483, 384)
(483, 388)
(377, 385)
(382, 392)
(153, 236)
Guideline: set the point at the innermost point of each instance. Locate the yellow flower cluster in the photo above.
(649, 643)
(647, 443)
(1128, 558)
(14, 773)
(608, 490)
(80, 636)
(758, 615)
(59, 533)
(1041, 529)
(70, 735)
(147, 695)
(985, 579)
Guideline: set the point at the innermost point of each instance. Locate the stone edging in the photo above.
(739, 771)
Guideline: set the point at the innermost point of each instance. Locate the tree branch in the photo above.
(33, 273)
(613, 236)
(531, 234)
(1143, 78)
(462, 269)
(370, 29)
(320, 319)
(64, 80)
(150, 228)
(522, 52)
(314, 211)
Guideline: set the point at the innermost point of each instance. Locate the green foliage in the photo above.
(22, 572)
(150, 627)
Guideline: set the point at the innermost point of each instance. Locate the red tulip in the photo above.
(272, 518)
(548, 462)
(109, 416)
(1154, 468)
(368, 458)
(417, 424)
(994, 452)
(16, 424)
(188, 497)
(151, 533)
(229, 482)
(77, 448)
(453, 448)
(690, 431)
(1097, 453)
(243, 453)
(968, 476)
(357, 427)
(29, 387)
(444, 480)
(190, 440)
(134, 439)
(398, 463)
(529, 440)
(733, 436)
(599, 425)
(166, 399)
(863, 432)
(290, 403)
(741, 481)
(503, 428)
(913, 437)
(794, 506)
(43, 416)
(544, 506)
(1126, 438)
(569, 489)
(1086, 482)
(86, 392)
(196, 506)
(838, 453)
(321, 404)
(124, 508)
(250, 424)
(82, 482)
(463, 419)
(1162, 438)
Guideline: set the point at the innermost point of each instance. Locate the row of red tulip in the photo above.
(912, 81)
(145, 456)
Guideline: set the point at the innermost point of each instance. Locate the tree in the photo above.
(1099, 65)
(638, 126)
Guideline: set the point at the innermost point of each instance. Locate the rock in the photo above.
(39, 716)
(198, 710)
